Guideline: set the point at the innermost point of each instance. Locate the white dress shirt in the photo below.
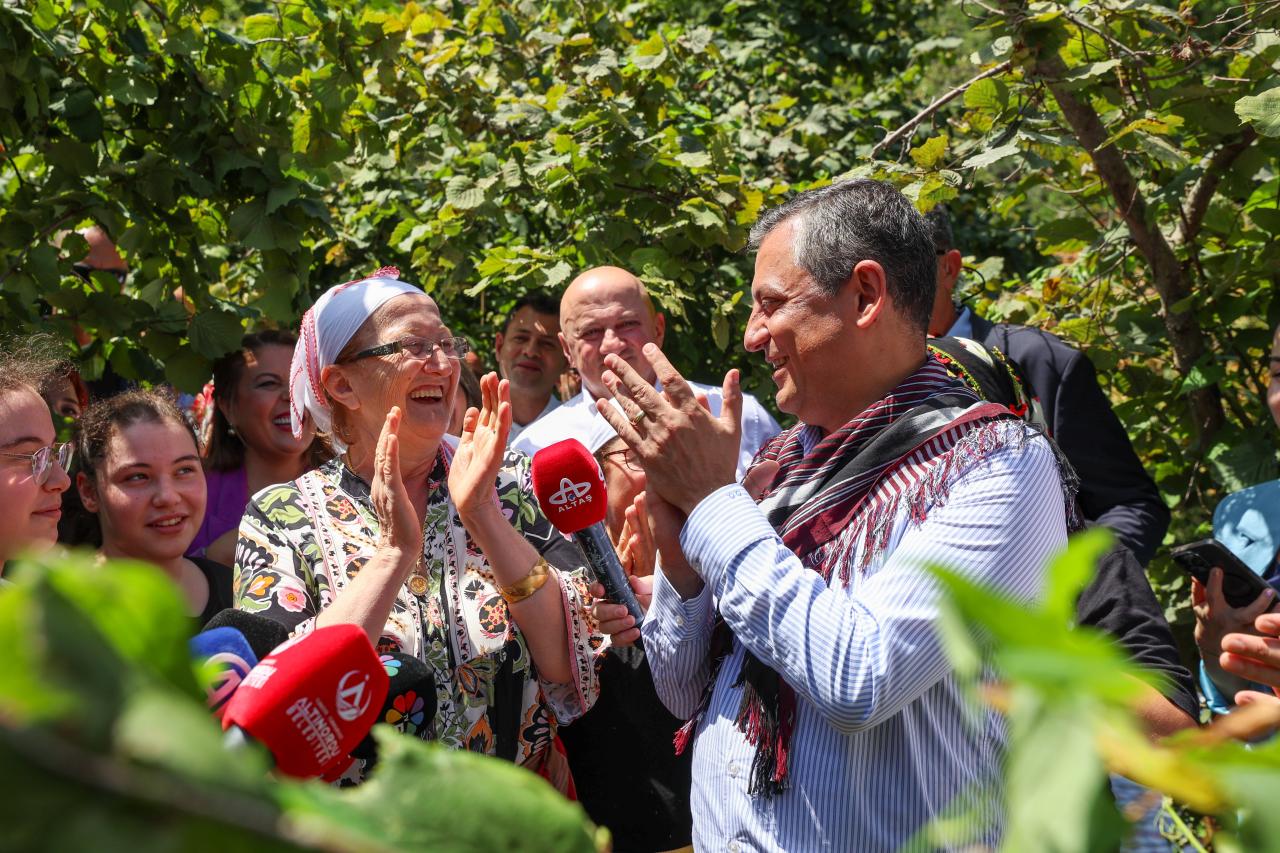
(884, 740)
(578, 418)
(552, 404)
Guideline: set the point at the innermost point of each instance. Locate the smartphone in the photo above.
(1240, 586)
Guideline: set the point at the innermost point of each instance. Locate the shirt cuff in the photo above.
(684, 616)
(723, 525)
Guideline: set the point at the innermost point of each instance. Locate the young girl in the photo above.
(32, 465)
(251, 445)
(139, 472)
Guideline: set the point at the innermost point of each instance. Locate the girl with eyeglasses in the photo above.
(33, 472)
(139, 472)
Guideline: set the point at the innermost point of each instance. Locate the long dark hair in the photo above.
(226, 451)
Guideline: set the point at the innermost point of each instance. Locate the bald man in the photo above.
(607, 310)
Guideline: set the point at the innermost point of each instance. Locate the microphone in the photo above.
(225, 658)
(410, 705)
(311, 700)
(262, 634)
(569, 486)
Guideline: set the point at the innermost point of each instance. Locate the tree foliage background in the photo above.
(1112, 174)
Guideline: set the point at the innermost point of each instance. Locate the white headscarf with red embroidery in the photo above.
(327, 327)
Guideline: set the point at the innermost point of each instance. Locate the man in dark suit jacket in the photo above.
(1114, 488)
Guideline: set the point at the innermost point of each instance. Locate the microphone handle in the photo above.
(604, 564)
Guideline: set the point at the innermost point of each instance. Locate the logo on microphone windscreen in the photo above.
(570, 493)
(353, 695)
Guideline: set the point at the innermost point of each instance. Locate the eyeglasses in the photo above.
(628, 458)
(416, 347)
(42, 460)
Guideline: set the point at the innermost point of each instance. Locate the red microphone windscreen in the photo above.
(312, 700)
(569, 485)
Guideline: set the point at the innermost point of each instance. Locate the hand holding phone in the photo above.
(1240, 586)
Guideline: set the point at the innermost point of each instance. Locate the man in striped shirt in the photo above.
(797, 633)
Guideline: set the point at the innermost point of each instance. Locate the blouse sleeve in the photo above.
(273, 577)
(515, 493)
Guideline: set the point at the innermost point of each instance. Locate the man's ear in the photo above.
(497, 342)
(568, 350)
(334, 380)
(868, 291)
(88, 492)
(659, 329)
(949, 265)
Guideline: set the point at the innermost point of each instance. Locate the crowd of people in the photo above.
(787, 688)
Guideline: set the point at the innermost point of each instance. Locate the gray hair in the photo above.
(839, 225)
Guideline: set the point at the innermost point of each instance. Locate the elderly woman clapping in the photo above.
(435, 546)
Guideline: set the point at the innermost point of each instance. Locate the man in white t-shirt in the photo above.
(607, 310)
(530, 359)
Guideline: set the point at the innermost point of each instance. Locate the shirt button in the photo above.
(735, 769)
(734, 847)
(680, 621)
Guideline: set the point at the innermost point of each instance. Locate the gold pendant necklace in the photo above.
(417, 584)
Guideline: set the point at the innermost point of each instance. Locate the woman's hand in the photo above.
(1215, 619)
(614, 619)
(637, 549)
(400, 527)
(484, 440)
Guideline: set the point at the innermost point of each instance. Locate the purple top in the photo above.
(228, 497)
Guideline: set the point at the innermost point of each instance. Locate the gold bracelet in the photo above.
(529, 584)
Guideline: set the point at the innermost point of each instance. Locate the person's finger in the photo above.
(634, 385)
(502, 423)
(1213, 590)
(629, 637)
(621, 395)
(469, 423)
(703, 400)
(760, 477)
(731, 408)
(1265, 649)
(621, 425)
(1249, 697)
(1268, 623)
(674, 386)
(1259, 605)
(1197, 592)
(596, 590)
(642, 586)
(488, 401)
(1250, 669)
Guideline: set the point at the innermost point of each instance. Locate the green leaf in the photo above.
(462, 193)
(990, 93)
(650, 53)
(1262, 111)
(694, 159)
(188, 371)
(300, 135)
(214, 333)
(130, 88)
(927, 154)
(260, 27)
(990, 157)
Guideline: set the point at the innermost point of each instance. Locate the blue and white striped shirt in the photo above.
(884, 741)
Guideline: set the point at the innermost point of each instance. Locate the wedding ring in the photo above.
(636, 418)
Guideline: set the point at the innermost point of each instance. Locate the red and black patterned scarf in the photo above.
(908, 446)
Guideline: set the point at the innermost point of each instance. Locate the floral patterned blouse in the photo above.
(301, 543)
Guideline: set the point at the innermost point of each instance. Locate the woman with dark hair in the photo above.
(65, 392)
(251, 444)
(139, 472)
